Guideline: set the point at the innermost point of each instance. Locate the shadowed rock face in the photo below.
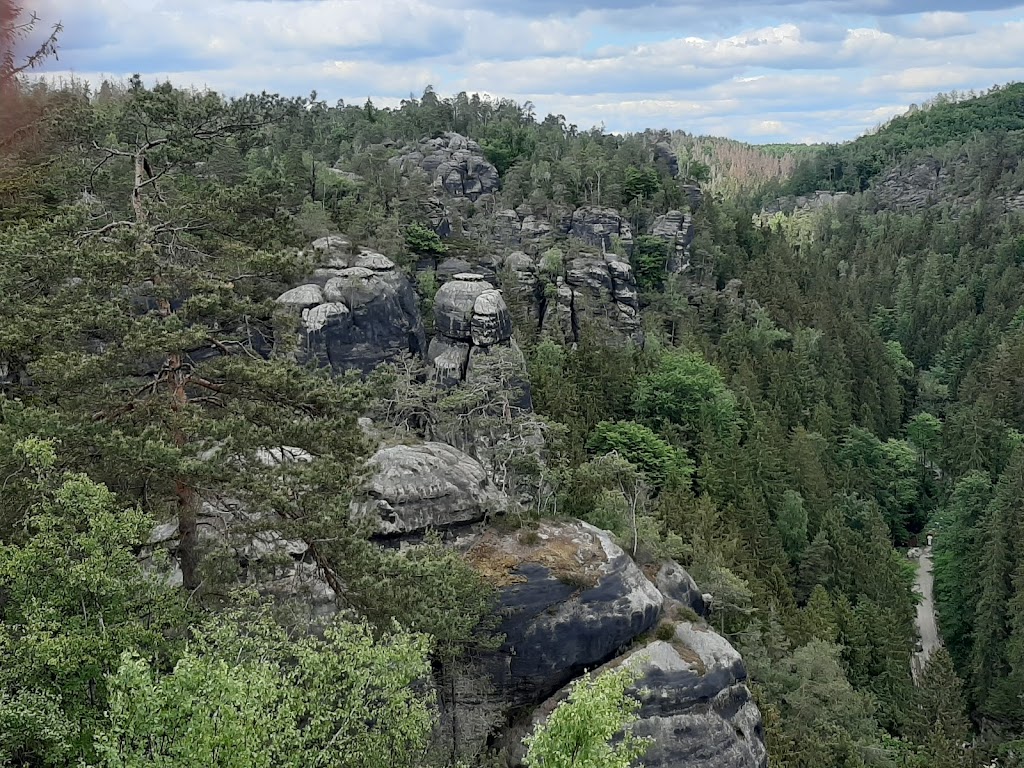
(676, 228)
(474, 328)
(357, 310)
(695, 703)
(416, 487)
(596, 226)
(571, 599)
(574, 601)
(676, 584)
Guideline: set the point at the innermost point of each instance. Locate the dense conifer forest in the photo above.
(822, 388)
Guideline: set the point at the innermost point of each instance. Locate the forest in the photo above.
(813, 394)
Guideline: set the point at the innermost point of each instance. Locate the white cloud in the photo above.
(821, 69)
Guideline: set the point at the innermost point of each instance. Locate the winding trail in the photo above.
(926, 626)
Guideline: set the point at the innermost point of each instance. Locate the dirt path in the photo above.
(926, 626)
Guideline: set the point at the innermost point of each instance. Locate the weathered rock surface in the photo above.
(432, 485)
(597, 226)
(676, 584)
(571, 600)
(357, 310)
(695, 704)
(474, 327)
(601, 291)
(453, 164)
(676, 228)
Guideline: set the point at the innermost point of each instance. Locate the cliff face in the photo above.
(570, 599)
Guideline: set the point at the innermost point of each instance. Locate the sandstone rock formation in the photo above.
(574, 601)
(472, 323)
(695, 704)
(571, 599)
(357, 310)
(431, 485)
(562, 299)
(453, 164)
(676, 228)
(676, 584)
(596, 226)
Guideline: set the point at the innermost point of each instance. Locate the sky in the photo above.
(756, 70)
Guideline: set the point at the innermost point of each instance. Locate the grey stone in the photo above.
(492, 322)
(695, 704)
(303, 296)
(570, 598)
(454, 303)
(596, 226)
(357, 312)
(433, 485)
(449, 359)
(454, 164)
(676, 584)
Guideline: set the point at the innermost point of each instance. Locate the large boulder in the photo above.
(356, 311)
(570, 599)
(417, 487)
(695, 704)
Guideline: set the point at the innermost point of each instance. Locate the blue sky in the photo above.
(758, 70)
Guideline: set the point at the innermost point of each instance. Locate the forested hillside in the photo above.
(300, 403)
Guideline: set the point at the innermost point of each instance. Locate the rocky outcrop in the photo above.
(570, 598)
(413, 488)
(676, 584)
(265, 557)
(796, 204)
(573, 602)
(695, 704)
(590, 290)
(453, 164)
(666, 158)
(356, 311)
(677, 230)
(600, 291)
(597, 226)
(472, 324)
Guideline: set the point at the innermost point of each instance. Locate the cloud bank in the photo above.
(785, 70)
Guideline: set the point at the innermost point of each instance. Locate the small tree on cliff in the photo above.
(582, 731)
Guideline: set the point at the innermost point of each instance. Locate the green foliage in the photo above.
(649, 260)
(685, 390)
(660, 462)
(251, 696)
(420, 239)
(949, 118)
(75, 598)
(582, 731)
